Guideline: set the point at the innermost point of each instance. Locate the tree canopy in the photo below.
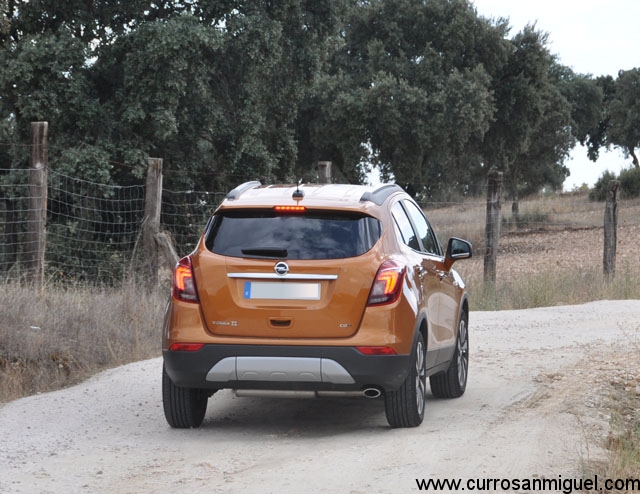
(427, 90)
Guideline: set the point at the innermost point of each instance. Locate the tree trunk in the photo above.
(515, 207)
(634, 158)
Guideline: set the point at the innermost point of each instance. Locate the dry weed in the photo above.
(59, 336)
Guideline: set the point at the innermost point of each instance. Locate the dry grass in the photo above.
(58, 337)
(624, 437)
(562, 212)
(552, 256)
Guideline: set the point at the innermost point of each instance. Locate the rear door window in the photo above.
(309, 235)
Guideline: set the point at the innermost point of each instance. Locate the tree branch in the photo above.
(634, 157)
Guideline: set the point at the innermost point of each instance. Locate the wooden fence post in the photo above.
(610, 229)
(492, 226)
(37, 214)
(324, 172)
(151, 224)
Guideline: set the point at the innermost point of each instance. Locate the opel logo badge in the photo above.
(281, 269)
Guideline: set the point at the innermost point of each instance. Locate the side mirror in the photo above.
(457, 249)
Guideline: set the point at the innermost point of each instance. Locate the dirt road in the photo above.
(533, 408)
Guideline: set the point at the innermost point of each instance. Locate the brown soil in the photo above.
(528, 252)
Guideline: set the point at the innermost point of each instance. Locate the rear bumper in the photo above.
(285, 368)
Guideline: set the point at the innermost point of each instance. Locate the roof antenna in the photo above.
(298, 194)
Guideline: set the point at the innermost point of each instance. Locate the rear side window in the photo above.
(425, 233)
(310, 235)
(407, 235)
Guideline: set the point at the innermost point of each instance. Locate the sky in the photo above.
(594, 37)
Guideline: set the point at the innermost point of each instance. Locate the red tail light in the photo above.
(387, 285)
(185, 347)
(376, 350)
(184, 284)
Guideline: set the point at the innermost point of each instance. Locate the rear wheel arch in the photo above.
(421, 326)
(453, 382)
(465, 306)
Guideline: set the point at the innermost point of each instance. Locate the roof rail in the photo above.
(235, 193)
(379, 195)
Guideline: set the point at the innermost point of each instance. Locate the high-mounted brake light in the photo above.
(184, 284)
(290, 209)
(387, 284)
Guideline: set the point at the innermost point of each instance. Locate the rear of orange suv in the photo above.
(306, 291)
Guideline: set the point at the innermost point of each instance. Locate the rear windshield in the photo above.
(310, 235)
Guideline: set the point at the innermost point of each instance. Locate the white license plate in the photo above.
(281, 290)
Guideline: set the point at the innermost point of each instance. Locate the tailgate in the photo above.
(283, 299)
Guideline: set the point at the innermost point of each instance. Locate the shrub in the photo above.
(630, 183)
(599, 191)
(531, 219)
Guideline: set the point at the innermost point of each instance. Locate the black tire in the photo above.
(405, 406)
(453, 382)
(183, 407)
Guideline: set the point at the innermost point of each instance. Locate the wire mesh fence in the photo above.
(94, 230)
(185, 214)
(14, 206)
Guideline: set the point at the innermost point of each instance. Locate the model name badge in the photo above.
(224, 323)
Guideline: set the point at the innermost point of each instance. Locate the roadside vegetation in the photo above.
(61, 336)
(624, 438)
(622, 404)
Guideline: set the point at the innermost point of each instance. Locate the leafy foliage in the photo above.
(599, 191)
(227, 91)
(624, 113)
(630, 183)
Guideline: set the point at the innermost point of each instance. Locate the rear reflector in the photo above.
(290, 209)
(387, 285)
(185, 347)
(376, 350)
(184, 284)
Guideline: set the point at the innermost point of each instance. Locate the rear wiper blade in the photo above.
(274, 252)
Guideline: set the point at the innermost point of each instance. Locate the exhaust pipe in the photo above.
(372, 393)
(277, 393)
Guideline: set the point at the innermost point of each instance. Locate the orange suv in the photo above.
(317, 290)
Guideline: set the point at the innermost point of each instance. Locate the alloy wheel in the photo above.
(421, 377)
(463, 353)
